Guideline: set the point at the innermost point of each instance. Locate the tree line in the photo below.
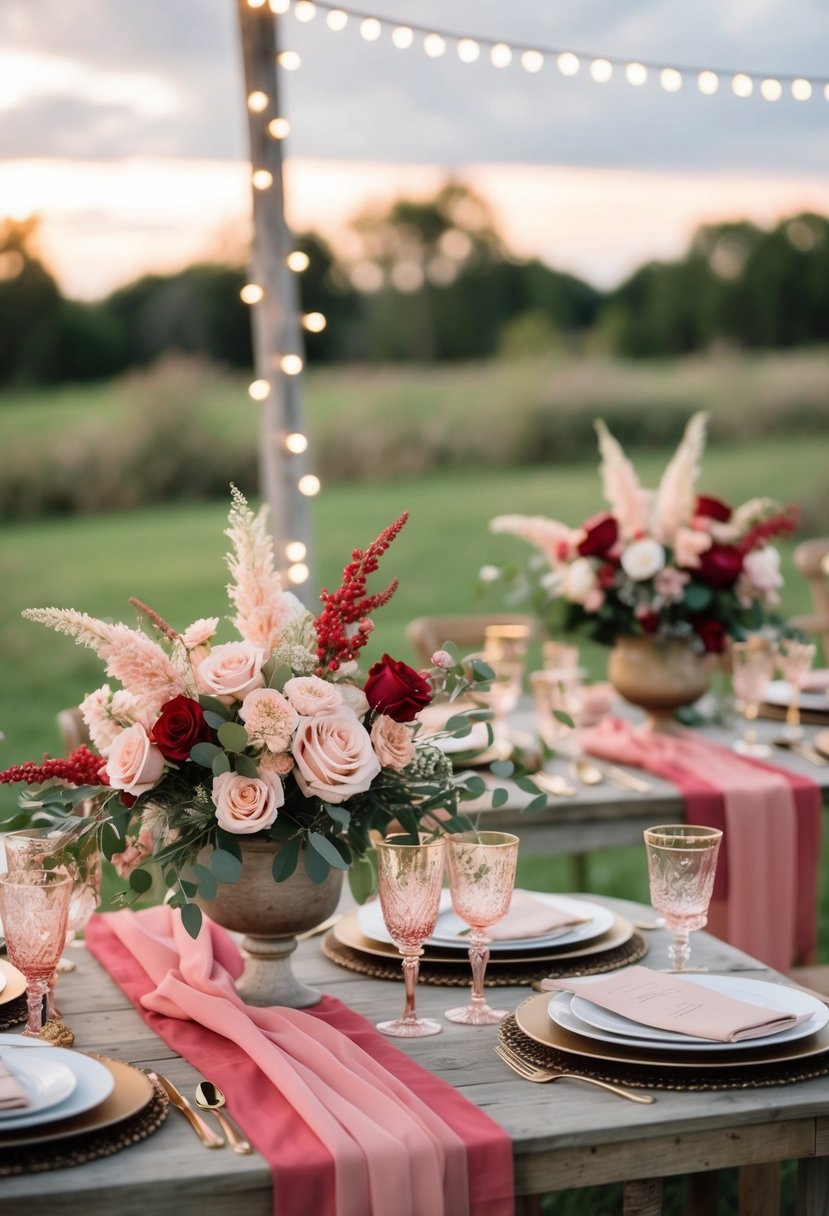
(427, 281)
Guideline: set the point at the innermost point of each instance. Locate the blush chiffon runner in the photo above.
(349, 1124)
(766, 887)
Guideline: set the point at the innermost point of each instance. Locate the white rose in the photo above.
(311, 696)
(762, 569)
(643, 559)
(334, 757)
(354, 698)
(134, 764)
(247, 804)
(231, 671)
(393, 742)
(579, 580)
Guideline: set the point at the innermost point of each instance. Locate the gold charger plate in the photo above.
(821, 743)
(15, 982)
(347, 931)
(130, 1094)
(535, 1022)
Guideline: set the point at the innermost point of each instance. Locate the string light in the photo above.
(259, 390)
(296, 443)
(256, 3)
(252, 293)
(280, 6)
(532, 59)
(295, 551)
(288, 60)
(309, 485)
(279, 128)
(297, 261)
(261, 179)
(298, 572)
(314, 322)
(291, 365)
(771, 89)
(258, 101)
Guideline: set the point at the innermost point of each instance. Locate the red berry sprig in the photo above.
(349, 604)
(783, 521)
(83, 767)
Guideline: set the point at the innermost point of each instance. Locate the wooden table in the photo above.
(565, 1134)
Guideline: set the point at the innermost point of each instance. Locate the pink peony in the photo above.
(334, 757)
(311, 696)
(134, 764)
(270, 719)
(247, 804)
(689, 544)
(231, 671)
(393, 742)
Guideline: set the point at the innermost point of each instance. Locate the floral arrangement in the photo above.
(276, 734)
(669, 563)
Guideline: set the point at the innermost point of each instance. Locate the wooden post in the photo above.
(276, 320)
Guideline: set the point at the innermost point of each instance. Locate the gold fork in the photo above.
(532, 1072)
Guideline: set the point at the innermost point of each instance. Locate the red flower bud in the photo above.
(713, 508)
(396, 689)
(601, 534)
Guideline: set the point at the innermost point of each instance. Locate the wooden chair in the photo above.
(811, 559)
(426, 634)
(73, 730)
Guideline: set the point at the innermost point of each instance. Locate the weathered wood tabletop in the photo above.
(565, 1135)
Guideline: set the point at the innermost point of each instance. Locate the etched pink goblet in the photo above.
(34, 906)
(410, 878)
(682, 863)
(481, 879)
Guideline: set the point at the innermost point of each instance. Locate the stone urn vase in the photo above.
(658, 676)
(270, 914)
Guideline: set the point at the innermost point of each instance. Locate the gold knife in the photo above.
(208, 1137)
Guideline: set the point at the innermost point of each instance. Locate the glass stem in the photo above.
(411, 967)
(751, 712)
(793, 712)
(35, 991)
(679, 950)
(478, 959)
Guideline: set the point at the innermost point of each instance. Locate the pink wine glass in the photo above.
(410, 880)
(34, 905)
(682, 862)
(481, 879)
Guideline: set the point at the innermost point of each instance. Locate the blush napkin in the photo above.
(665, 1002)
(349, 1124)
(530, 917)
(771, 821)
(12, 1094)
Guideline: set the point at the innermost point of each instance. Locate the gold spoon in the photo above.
(210, 1097)
(587, 773)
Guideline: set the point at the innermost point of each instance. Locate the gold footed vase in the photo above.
(270, 914)
(658, 677)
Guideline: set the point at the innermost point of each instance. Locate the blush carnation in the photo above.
(311, 696)
(269, 718)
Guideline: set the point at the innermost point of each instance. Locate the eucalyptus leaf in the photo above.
(229, 842)
(213, 720)
(141, 881)
(245, 766)
(500, 797)
(338, 813)
(316, 867)
(208, 886)
(191, 918)
(204, 754)
(474, 784)
(233, 736)
(285, 861)
(537, 804)
(189, 888)
(221, 764)
(326, 849)
(362, 879)
(502, 768)
(697, 597)
(215, 706)
(225, 866)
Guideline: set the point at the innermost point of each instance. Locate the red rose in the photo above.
(179, 727)
(601, 534)
(712, 635)
(606, 575)
(720, 566)
(713, 508)
(396, 689)
(649, 621)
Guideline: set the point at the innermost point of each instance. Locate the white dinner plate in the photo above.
(93, 1082)
(780, 693)
(2, 976)
(581, 1016)
(453, 933)
(44, 1080)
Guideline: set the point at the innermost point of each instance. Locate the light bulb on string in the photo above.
(500, 55)
(296, 443)
(259, 390)
(309, 485)
(601, 70)
(298, 573)
(256, 3)
(370, 29)
(305, 10)
(771, 90)
(568, 63)
(671, 80)
(826, 91)
(296, 551)
(336, 20)
(297, 260)
(532, 61)
(314, 322)
(636, 74)
(258, 101)
(252, 293)
(708, 82)
(402, 37)
(289, 61)
(434, 46)
(801, 89)
(279, 6)
(291, 365)
(468, 50)
(261, 179)
(742, 85)
(279, 128)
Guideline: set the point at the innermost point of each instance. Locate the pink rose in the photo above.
(231, 671)
(393, 742)
(689, 545)
(247, 804)
(334, 757)
(134, 764)
(311, 696)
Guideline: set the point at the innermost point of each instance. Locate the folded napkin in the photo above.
(653, 998)
(349, 1124)
(816, 681)
(596, 703)
(531, 917)
(12, 1094)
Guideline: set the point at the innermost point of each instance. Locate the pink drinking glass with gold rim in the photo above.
(481, 879)
(34, 906)
(410, 879)
(682, 863)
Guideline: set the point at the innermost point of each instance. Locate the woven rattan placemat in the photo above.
(645, 1076)
(87, 1146)
(13, 1012)
(455, 974)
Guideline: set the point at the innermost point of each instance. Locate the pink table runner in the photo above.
(350, 1125)
(765, 894)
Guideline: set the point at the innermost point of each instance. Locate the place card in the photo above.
(667, 1002)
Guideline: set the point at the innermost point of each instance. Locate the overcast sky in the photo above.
(158, 81)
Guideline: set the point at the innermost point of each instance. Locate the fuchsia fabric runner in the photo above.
(350, 1125)
(765, 894)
